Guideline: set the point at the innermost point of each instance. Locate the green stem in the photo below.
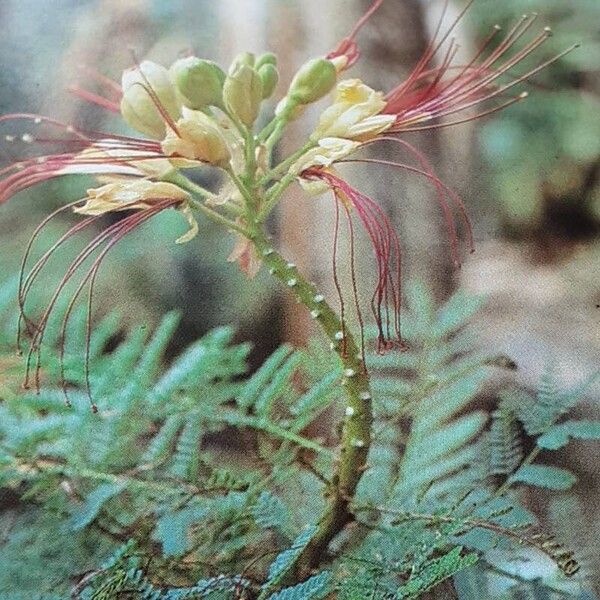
(273, 196)
(275, 136)
(356, 431)
(272, 429)
(509, 480)
(183, 182)
(268, 129)
(283, 166)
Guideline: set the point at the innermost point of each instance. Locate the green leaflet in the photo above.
(560, 435)
(172, 529)
(282, 563)
(553, 478)
(94, 503)
(314, 588)
(435, 572)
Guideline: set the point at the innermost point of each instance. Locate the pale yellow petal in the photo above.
(126, 195)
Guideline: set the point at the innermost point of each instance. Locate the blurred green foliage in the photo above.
(544, 153)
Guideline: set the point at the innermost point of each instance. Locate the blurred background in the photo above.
(530, 176)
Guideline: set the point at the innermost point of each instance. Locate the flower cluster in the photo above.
(195, 114)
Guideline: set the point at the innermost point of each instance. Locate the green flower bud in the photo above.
(269, 75)
(268, 58)
(244, 58)
(314, 80)
(243, 93)
(147, 90)
(199, 81)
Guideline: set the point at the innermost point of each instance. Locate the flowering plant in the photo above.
(195, 114)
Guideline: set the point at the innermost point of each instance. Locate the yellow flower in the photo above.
(198, 137)
(354, 114)
(328, 151)
(139, 194)
(325, 154)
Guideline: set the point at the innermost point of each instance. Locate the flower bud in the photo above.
(147, 90)
(243, 93)
(243, 58)
(198, 137)
(269, 75)
(268, 58)
(314, 80)
(200, 82)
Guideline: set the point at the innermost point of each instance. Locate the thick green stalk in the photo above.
(356, 431)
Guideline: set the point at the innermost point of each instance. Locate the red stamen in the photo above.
(94, 98)
(386, 247)
(432, 92)
(336, 281)
(24, 282)
(359, 314)
(37, 339)
(106, 82)
(348, 46)
(124, 227)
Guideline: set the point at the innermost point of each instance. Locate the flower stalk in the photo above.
(356, 430)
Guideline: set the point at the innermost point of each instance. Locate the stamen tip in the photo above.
(403, 346)
(497, 27)
(548, 31)
(522, 96)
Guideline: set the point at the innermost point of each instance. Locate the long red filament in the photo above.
(386, 298)
(37, 339)
(428, 93)
(125, 226)
(336, 280)
(106, 82)
(348, 46)
(94, 98)
(359, 315)
(22, 280)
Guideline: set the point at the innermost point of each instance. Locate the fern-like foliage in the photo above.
(207, 470)
(124, 574)
(428, 390)
(150, 463)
